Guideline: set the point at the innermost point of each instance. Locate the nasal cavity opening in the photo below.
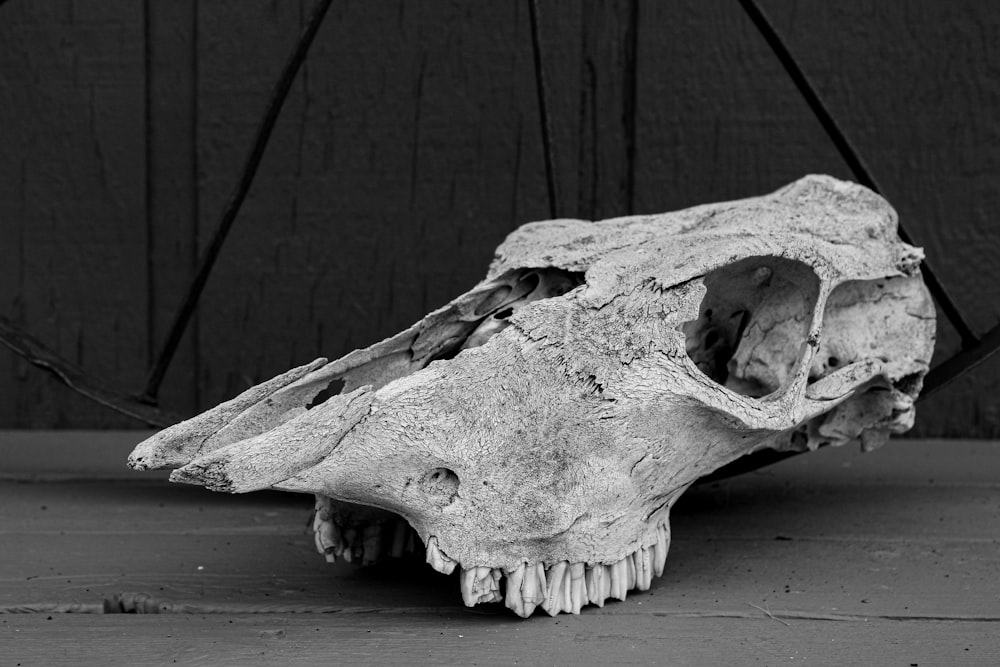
(511, 292)
(333, 389)
(752, 322)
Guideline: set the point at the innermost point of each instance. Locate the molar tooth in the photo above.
(324, 531)
(630, 568)
(533, 587)
(329, 552)
(489, 585)
(480, 585)
(578, 587)
(567, 588)
(643, 569)
(595, 584)
(619, 580)
(322, 508)
(662, 546)
(437, 559)
(316, 526)
(319, 545)
(514, 601)
(328, 535)
(468, 585)
(554, 597)
(497, 575)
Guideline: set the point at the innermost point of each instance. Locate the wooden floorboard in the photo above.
(459, 638)
(891, 557)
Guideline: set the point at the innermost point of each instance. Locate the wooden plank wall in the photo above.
(410, 146)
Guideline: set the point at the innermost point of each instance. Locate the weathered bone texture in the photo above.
(536, 430)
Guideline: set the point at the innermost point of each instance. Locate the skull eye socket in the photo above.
(752, 322)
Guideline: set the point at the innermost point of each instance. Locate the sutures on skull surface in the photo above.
(515, 290)
(491, 315)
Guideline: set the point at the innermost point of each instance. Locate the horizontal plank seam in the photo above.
(155, 478)
(866, 539)
(165, 607)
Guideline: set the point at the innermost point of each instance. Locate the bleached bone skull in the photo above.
(540, 427)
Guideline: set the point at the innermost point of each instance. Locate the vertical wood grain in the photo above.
(917, 86)
(607, 108)
(71, 201)
(590, 50)
(410, 146)
(172, 212)
(718, 119)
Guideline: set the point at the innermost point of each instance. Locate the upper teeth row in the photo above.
(561, 586)
(558, 587)
(363, 542)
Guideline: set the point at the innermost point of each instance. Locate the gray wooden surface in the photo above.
(832, 558)
(410, 146)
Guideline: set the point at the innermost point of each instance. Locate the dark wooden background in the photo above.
(410, 146)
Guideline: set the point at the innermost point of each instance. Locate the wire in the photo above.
(543, 112)
(852, 158)
(232, 207)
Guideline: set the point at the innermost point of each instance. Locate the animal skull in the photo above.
(541, 426)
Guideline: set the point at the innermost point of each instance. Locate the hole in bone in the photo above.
(441, 483)
(462, 325)
(494, 299)
(527, 284)
(530, 285)
(334, 388)
(752, 322)
(887, 306)
(910, 384)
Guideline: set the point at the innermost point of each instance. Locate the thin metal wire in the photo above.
(543, 112)
(232, 207)
(969, 358)
(852, 158)
(631, 102)
(975, 351)
(24, 345)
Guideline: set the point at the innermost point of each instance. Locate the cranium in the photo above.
(539, 427)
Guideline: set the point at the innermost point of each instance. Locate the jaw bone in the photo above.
(536, 431)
